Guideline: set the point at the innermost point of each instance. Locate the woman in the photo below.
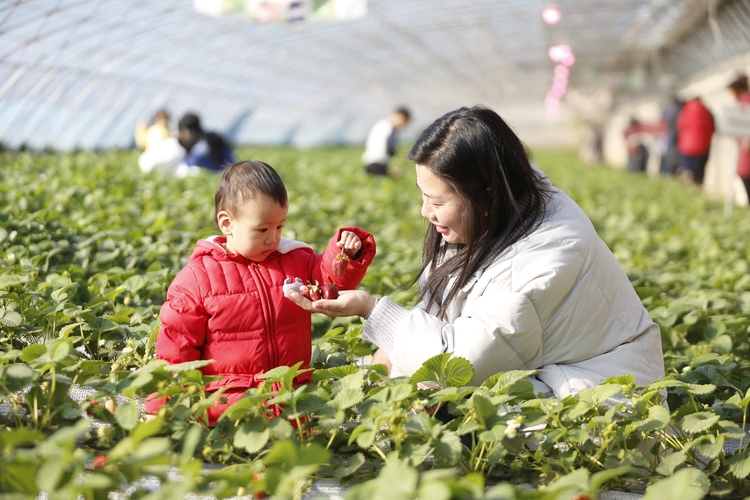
(514, 275)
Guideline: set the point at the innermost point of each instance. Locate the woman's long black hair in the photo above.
(479, 157)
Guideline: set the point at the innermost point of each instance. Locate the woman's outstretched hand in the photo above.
(349, 303)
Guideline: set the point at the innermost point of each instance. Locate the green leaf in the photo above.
(9, 280)
(347, 398)
(134, 283)
(500, 382)
(669, 463)
(58, 349)
(363, 434)
(190, 365)
(658, 418)
(18, 375)
(685, 484)
(599, 394)
(127, 416)
(282, 452)
(484, 408)
(10, 318)
(448, 450)
(153, 447)
(190, 443)
(739, 464)
(94, 481)
(352, 465)
(250, 439)
(713, 447)
(722, 344)
(33, 352)
(446, 370)
(699, 422)
(337, 372)
(13, 437)
(394, 393)
(50, 474)
(599, 479)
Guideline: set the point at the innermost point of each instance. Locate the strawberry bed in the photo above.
(88, 247)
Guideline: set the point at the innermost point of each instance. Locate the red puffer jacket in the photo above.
(227, 308)
(695, 126)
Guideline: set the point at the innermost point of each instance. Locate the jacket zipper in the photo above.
(268, 316)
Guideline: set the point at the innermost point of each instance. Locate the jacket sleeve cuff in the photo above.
(383, 323)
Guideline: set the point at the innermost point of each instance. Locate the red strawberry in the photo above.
(256, 478)
(339, 264)
(329, 291)
(99, 461)
(305, 291)
(313, 292)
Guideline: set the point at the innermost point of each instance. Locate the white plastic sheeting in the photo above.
(83, 73)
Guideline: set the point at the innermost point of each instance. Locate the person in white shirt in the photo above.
(513, 276)
(381, 142)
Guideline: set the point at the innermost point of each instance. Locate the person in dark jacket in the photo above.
(204, 149)
(228, 303)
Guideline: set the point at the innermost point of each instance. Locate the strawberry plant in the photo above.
(88, 247)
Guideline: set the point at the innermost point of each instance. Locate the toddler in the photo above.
(228, 304)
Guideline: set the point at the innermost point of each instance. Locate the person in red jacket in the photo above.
(695, 128)
(228, 303)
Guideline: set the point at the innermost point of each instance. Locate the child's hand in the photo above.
(349, 243)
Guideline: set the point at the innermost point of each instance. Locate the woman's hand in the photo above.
(349, 303)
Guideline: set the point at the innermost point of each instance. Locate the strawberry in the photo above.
(311, 291)
(329, 291)
(339, 264)
(99, 461)
(260, 493)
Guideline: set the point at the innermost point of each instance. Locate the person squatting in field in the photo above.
(514, 275)
(227, 304)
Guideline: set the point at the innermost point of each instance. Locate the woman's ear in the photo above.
(224, 220)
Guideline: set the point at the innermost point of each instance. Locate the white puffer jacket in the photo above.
(557, 301)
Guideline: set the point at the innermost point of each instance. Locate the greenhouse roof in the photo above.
(82, 73)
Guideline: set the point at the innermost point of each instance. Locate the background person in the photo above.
(513, 276)
(147, 136)
(741, 92)
(162, 152)
(381, 142)
(695, 128)
(204, 149)
(670, 155)
(227, 303)
(637, 151)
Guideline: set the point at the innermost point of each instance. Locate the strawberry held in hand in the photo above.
(329, 291)
(311, 291)
(339, 264)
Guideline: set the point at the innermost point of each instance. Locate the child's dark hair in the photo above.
(243, 180)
